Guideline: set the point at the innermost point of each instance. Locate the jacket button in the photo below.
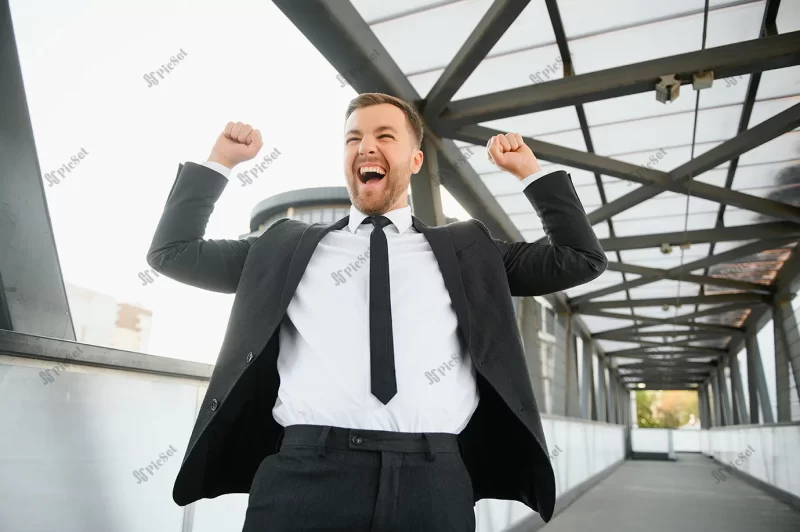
(356, 440)
(214, 404)
(250, 356)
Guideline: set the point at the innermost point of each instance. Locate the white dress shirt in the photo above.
(324, 360)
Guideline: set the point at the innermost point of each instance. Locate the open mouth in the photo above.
(369, 174)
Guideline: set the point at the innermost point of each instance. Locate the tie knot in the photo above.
(378, 221)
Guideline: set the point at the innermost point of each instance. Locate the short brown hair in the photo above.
(376, 98)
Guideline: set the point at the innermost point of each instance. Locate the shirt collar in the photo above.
(400, 218)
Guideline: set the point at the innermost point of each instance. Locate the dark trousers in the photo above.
(338, 479)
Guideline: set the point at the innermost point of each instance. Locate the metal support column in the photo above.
(757, 383)
(602, 398)
(426, 194)
(704, 407)
(719, 421)
(572, 406)
(585, 383)
(530, 324)
(787, 356)
(725, 398)
(613, 399)
(737, 393)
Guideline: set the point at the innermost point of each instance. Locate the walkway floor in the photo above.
(653, 496)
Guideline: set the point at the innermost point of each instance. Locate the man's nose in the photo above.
(366, 147)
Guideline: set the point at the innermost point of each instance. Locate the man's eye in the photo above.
(386, 135)
(351, 138)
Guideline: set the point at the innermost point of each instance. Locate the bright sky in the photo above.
(83, 65)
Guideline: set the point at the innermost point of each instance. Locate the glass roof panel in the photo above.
(779, 82)
(783, 148)
(534, 124)
(766, 109)
(667, 261)
(532, 28)
(756, 176)
(788, 17)
(581, 17)
(653, 134)
(512, 70)
(440, 32)
(374, 11)
(665, 224)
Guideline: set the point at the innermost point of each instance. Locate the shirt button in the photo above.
(214, 404)
(356, 439)
(250, 356)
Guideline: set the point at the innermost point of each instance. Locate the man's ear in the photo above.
(416, 161)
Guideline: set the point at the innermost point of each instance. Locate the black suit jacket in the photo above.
(503, 445)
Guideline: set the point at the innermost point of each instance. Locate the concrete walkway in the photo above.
(653, 496)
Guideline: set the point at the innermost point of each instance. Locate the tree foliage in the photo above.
(665, 409)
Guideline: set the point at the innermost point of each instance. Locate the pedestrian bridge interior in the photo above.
(678, 123)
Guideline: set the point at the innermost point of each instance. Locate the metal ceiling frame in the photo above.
(342, 36)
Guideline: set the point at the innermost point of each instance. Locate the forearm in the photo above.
(178, 249)
(574, 255)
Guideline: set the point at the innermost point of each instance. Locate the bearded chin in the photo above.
(379, 203)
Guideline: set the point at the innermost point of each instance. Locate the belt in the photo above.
(330, 437)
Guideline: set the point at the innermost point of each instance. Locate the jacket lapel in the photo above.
(442, 245)
(309, 241)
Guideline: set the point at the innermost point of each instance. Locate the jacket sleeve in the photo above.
(573, 256)
(178, 249)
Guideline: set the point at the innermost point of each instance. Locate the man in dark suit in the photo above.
(372, 375)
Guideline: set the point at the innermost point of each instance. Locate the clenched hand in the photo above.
(510, 153)
(237, 143)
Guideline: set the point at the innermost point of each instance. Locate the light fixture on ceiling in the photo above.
(641, 385)
(666, 248)
(668, 89)
(703, 80)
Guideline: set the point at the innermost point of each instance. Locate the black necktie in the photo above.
(381, 342)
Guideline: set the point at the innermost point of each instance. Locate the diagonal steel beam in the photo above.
(692, 327)
(660, 301)
(489, 30)
(668, 387)
(684, 320)
(660, 181)
(689, 351)
(675, 371)
(688, 342)
(342, 36)
(733, 284)
(679, 271)
(666, 376)
(703, 236)
(746, 57)
(679, 356)
(618, 333)
(661, 345)
(746, 141)
(722, 309)
(680, 364)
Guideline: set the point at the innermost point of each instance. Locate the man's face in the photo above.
(380, 154)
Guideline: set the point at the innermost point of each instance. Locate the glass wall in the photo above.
(91, 76)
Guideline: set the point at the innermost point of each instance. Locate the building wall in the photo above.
(101, 320)
(325, 214)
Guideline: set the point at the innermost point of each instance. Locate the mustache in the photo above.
(367, 162)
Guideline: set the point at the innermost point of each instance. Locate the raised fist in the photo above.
(238, 143)
(510, 153)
